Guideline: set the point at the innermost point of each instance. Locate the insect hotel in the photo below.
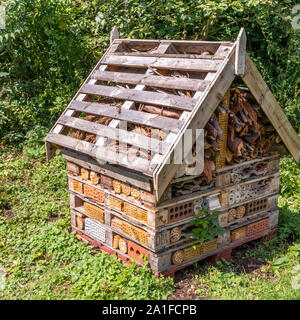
(132, 193)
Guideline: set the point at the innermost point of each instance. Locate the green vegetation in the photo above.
(46, 51)
(206, 226)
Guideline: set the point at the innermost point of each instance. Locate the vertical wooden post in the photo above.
(240, 53)
(114, 34)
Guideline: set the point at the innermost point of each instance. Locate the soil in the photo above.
(9, 214)
(186, 285)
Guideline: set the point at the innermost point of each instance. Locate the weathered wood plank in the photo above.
(240, 53)
(124, 136)
(138, 117)
(120, 173)
(101, 153)
(168, 55)
(271, 107)
(199, 65)
(185, 46)
(154, 98)
(152, 80)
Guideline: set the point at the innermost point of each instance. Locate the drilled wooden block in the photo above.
(258, 226)
(238, 234)
(77, 186)
(94, 211)
(73, 168)
(93, 193)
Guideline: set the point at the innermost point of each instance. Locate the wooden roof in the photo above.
(134, 73)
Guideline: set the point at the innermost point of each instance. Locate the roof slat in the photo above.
(102, 153)
(137, 117)
(200, 65)
(154, 98)
(167, 55)
(120, 135)
(152, 80)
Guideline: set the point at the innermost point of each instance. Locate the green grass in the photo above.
(44, 260)
(41, 256)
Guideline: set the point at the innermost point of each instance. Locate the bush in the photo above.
(49, 47)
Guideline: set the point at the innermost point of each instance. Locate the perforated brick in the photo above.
(256, 206)
(135, 251)
(181, 211)
(257, 226)
(93, 193)
(95, 230)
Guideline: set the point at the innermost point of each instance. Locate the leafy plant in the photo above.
(206, 226)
